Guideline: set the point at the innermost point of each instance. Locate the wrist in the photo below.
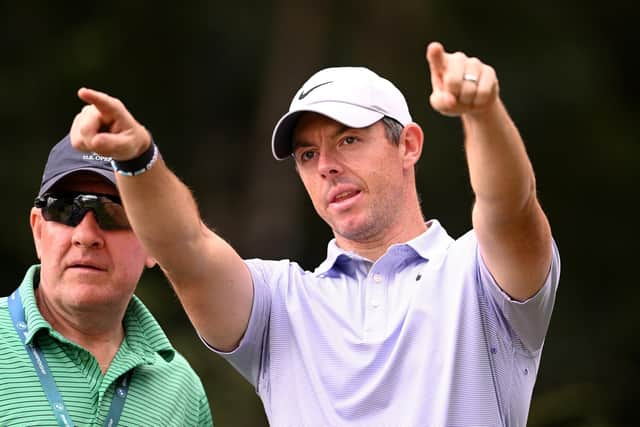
(492, 111)
(137, 165)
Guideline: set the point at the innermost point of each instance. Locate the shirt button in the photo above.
(377, 278)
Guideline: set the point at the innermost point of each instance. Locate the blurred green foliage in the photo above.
(210, 79)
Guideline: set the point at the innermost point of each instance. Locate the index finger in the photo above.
(108, 106)
(436, 57)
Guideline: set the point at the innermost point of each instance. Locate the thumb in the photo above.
(443, 102)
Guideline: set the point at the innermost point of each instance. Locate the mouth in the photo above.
(344, 195)
(85, 266)
(345, 199)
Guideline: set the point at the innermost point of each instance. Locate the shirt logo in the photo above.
(304, 94)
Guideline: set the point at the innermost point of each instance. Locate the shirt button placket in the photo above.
(375, 326)
(375, 297)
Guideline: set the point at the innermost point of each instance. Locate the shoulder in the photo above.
(274, 272)
(170, 373)
(461, 252)
(183, 368)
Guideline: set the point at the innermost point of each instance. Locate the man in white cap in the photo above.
(401, 325)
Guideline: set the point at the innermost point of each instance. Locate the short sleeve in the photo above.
(247, 358)
(529, 319)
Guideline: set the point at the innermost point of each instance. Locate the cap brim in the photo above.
(348, 114)
(109, 176)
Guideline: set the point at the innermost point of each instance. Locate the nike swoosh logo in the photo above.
(303, 94)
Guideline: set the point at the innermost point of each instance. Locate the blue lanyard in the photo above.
(46, 378)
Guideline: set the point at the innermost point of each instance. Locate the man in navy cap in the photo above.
(77, 346)
(401, 325)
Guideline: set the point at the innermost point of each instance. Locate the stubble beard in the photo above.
(377, 220)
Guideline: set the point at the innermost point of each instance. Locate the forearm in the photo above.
(162, 212)
(513, 232)
(500, 171)
(209, 277)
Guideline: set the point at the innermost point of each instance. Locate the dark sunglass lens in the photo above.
(69, 209)
(109, 214)
(58, 209)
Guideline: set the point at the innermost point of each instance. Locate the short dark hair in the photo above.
(393, 129)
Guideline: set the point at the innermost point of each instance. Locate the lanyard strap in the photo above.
(46, 378)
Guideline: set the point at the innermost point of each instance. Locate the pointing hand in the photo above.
(106, 127)
(460, 84)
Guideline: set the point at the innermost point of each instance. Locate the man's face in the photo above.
(355, 177)
(85, 267)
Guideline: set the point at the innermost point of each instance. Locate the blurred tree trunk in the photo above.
(272, 212)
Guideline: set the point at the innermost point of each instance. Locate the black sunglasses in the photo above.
(70, 208)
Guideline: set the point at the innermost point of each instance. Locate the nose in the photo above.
(328, 164)
(88, 233)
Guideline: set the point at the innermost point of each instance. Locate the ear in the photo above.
(36, 221)
(411, 141)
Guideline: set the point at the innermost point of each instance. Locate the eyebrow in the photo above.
(297, 143)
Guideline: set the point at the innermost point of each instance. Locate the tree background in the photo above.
(210, 79)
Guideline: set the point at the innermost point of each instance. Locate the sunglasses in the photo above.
(70, 208)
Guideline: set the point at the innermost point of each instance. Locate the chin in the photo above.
(357, 231)
(98, 302)
(97, 293)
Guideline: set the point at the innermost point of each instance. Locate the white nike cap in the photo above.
(354, 96)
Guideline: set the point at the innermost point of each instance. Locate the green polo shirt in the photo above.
(164, 390)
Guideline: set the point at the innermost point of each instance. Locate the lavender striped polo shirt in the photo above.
(422, 337)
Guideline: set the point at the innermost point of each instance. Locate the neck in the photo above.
(99, 333)
(401, 231)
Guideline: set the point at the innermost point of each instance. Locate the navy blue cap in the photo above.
(64, 160)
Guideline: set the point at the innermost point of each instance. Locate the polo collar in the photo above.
(430, 245)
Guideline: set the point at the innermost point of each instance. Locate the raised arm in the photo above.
(513, 231)
(211, 280)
